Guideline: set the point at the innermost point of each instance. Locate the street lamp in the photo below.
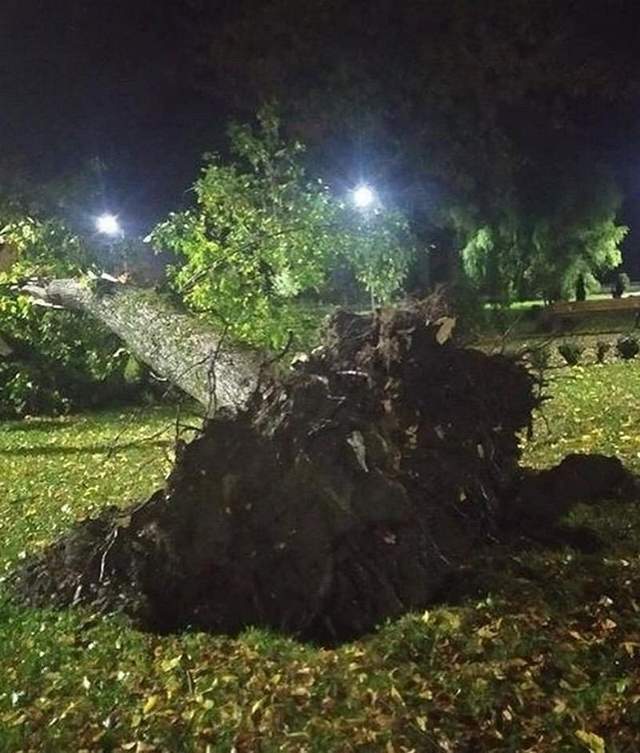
(107, 224)
(363, 196)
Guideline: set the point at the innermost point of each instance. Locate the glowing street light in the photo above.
(108, 224)
(363, 196)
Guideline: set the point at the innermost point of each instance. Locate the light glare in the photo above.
(363, 197)
(108, 224)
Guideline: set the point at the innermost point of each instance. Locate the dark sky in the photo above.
(106, 79)
(117, 80)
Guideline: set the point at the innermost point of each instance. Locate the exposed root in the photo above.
(347, 493)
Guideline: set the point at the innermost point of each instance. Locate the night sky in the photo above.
(122, 81)
(94, 79)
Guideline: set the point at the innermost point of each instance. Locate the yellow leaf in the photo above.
(169, 664)
(486, 631)
(594, 742)
(445, 329)
(150, 704)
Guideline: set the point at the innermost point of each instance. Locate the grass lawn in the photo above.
(547, 661)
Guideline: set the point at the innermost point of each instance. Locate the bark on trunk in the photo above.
(192, 356)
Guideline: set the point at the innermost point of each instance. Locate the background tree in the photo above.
(577, 240)
(563, 230)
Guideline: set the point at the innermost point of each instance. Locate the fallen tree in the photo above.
(342, 494)
(195, 358)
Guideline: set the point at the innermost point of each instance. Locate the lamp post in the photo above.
(107, 225)
(364, 199)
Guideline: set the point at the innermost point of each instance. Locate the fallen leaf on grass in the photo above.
(150, 704)
(593, 742)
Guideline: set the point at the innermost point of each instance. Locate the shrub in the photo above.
(539, 358)
(57, 362)
(602, 348)
(571, 352)
(627, 347)
(621, 285)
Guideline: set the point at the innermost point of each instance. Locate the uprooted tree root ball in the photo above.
(346, 493)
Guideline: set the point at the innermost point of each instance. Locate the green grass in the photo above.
(547, 661)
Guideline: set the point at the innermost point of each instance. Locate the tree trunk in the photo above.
(193, 356)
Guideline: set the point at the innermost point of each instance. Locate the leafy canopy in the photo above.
(262, 239)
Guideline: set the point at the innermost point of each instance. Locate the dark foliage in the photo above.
(627, 347)
(621, 285)
(602, 348)
(571, 352)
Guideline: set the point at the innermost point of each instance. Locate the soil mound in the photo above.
(347, 493)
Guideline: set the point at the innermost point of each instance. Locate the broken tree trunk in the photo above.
(194, 357)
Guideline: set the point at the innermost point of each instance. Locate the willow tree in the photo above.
(564, 231)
